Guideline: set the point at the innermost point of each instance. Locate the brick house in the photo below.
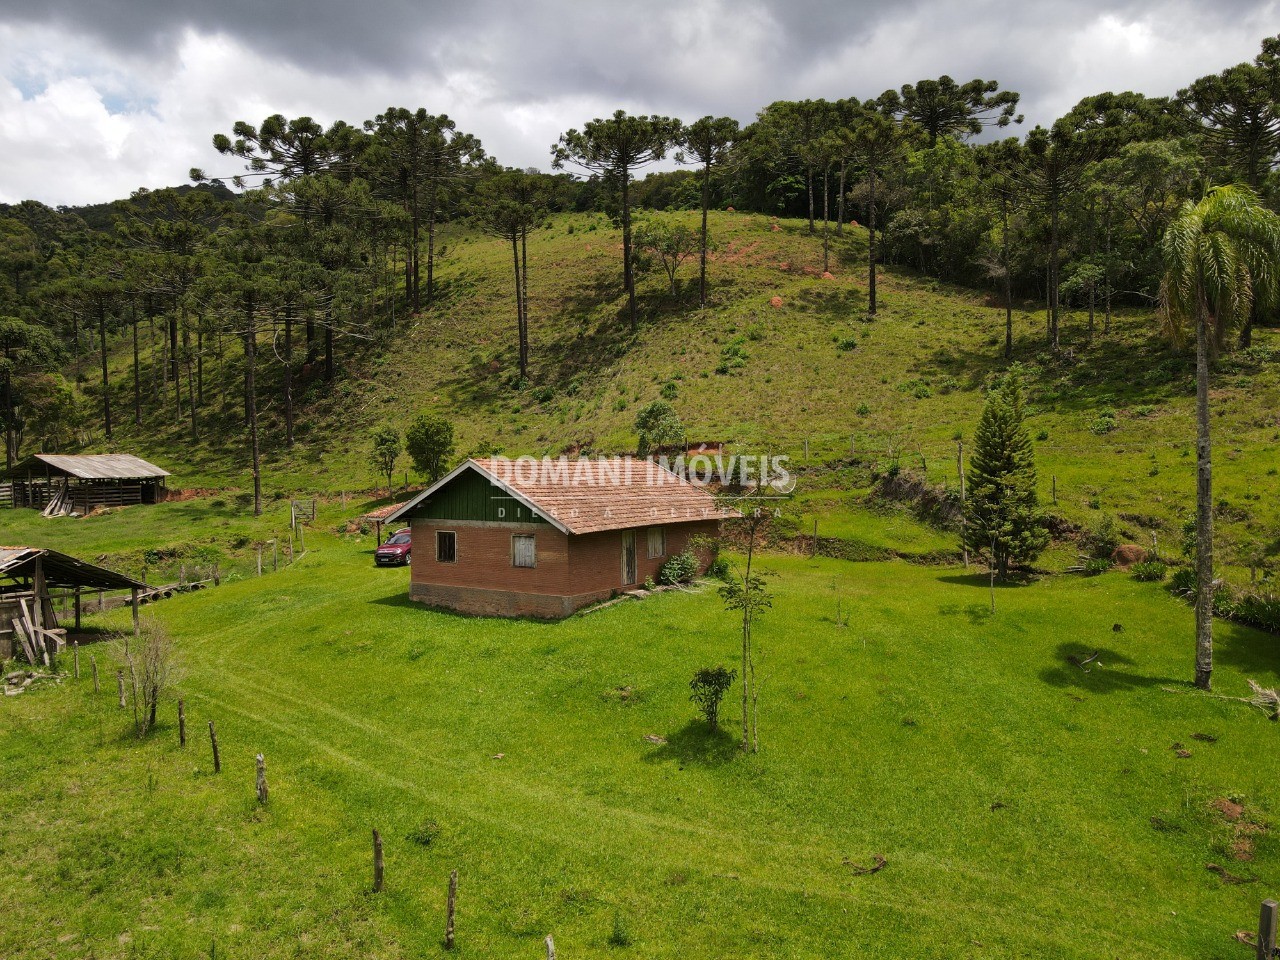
(543, 538)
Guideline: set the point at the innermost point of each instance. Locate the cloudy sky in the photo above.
(100, 97)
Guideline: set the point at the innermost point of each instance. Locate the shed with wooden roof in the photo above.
(28, 618)
(543, 538)
(61, 484)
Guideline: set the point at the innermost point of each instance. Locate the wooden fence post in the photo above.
(75, 658)
(213, 739)
(551, 948)
(262, 778)
(182, 722)
(259, 559)
(377, 861)
(93, 661)
(120, 687)
(964, 544)
(815, 537)
(133, 686)
(1055, 488)
(452, 905)
(1267, 930)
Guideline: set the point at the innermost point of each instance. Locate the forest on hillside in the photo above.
(331, 236)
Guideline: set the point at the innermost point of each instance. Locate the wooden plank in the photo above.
(1267, 930)
(27, 650)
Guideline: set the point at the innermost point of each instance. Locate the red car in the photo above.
(395, 552)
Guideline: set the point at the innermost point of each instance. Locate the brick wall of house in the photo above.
(570, 571)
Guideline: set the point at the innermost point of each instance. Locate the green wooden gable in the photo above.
(470, 496)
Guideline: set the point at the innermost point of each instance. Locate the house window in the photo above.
(446, 546)
(657, 542)
(523, 553)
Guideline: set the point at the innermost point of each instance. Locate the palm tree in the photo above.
(1221, 256)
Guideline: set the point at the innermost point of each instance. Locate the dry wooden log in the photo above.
(262, 778)
(213, 740)
(451, 906)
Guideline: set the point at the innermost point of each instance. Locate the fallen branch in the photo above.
(1226, 877)
(1084, 664)
(860, 871)
(1266, 700)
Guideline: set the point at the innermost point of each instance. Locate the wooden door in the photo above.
(628, 558)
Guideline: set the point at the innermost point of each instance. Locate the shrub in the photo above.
(847, 344)
(1042, 435)
(1104, 422)
(1183, 582)
(1103, 538)
(681, 568)
(719, 568)
(1096, 565)
(425, 834)
(1150, 571)
(863, 410)
(1259, 610)
(620, 936)
(708, 686)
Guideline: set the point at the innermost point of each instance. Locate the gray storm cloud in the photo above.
(102, 97)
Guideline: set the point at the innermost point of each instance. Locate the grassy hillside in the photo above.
(899, 388)
(1000, 782)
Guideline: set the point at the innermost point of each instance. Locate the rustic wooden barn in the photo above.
(503, 538)
(29, 576)
(62, 483)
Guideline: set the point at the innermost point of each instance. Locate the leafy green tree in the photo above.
(1221, 256)
(658, 426)
(429, 442)
(25, 348)
(284, 149)
(1051, 174)
(944, 108)
(708, 142)
(509, 205)
(169, 232)
(998, 164)
(1003, 521)
(746, 593)
(874, 140)
(385, 453)
(614, 148)
(19, 252)
(668, 243)
(1237, 112)
(790, 129)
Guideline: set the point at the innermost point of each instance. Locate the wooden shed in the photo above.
(541, 539)
(28, 576)
(65, 483)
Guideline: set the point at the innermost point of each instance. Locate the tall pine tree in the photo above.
(1002, 517)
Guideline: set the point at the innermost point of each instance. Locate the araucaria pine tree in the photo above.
(1003, 522)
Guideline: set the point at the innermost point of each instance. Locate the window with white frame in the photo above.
(523, 550)
(657, 542)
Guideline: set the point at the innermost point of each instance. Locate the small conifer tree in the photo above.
(1003, 522)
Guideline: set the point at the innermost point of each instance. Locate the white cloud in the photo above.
(89, 112)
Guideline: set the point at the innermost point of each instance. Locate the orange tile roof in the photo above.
(589, 495)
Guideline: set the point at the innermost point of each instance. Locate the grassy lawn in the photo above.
(1012, 794)
(879, 527)
(764, 379)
